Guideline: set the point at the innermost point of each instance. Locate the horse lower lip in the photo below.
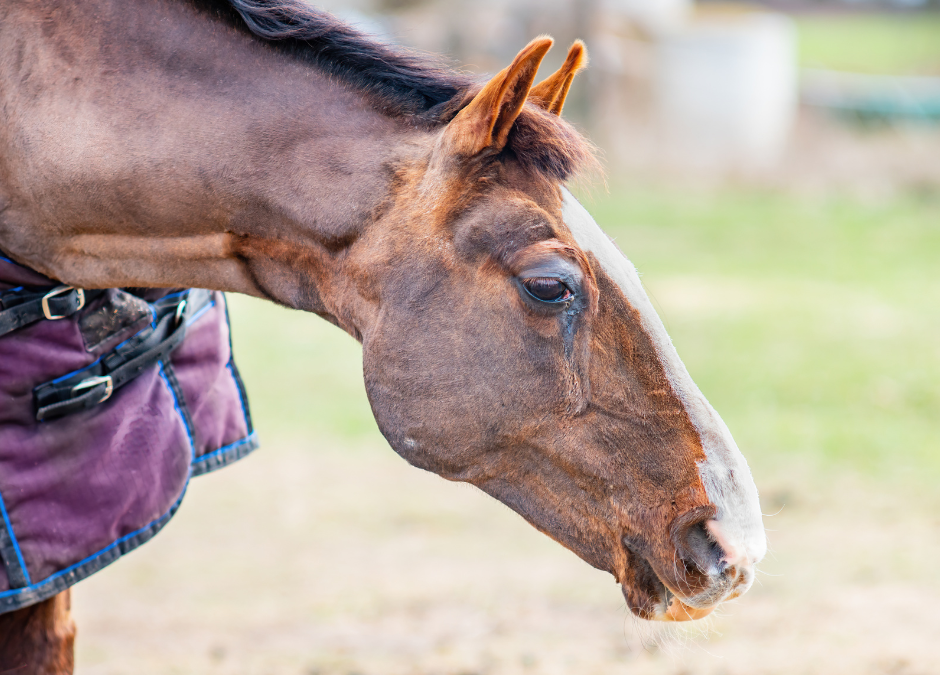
(669, 606)
(676, 610)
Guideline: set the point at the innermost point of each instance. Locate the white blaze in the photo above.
(724, 473)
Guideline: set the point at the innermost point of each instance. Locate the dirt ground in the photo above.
(314, 558)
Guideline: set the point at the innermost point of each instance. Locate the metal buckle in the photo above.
(57, 291)
(94, 382)
(180, 309)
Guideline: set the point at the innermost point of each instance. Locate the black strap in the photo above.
(22, 307)
(95, 384)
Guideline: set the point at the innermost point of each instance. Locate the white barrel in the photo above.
(727, 89)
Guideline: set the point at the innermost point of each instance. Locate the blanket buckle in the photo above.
(57, 291)
(94, 382)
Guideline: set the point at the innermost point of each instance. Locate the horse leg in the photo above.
(38, 640)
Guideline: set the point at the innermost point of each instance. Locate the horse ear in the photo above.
(551, 92)
(486, 121)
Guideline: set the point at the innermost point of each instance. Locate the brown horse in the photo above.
(264, 148)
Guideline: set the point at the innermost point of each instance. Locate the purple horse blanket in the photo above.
(84, 481)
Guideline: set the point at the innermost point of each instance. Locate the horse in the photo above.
(264, 147)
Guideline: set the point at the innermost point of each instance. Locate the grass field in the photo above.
(893, 44)
(813, 327)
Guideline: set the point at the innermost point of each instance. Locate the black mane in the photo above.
(402, 82)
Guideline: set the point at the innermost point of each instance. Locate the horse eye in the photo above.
(547, 289)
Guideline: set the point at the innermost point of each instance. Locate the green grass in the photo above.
(303, 375)
(819, 335)
(813, 326)
(877, 44)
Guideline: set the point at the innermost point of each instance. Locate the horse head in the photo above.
(511, 346)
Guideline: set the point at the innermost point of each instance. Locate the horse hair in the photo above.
(402, 82)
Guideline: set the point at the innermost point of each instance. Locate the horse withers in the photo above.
(265, 148)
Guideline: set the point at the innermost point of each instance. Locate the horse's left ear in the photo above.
(486, 121)
(551, 92)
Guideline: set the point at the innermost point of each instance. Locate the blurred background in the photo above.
(773, 170)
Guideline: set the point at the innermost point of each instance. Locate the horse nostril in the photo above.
(696, 547)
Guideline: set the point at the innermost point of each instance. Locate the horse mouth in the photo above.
(673, 609)
(649, 598)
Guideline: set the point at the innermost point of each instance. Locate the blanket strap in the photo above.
(20, 307)
(94, 385)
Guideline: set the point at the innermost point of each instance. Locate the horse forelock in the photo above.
(546, 144)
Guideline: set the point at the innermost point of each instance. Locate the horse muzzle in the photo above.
(734, 581)
(704, 571)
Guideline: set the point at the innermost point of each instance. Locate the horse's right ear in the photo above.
(485, 122)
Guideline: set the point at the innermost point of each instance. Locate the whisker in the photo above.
(767, 574)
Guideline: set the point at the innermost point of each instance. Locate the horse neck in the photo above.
(202, 158)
